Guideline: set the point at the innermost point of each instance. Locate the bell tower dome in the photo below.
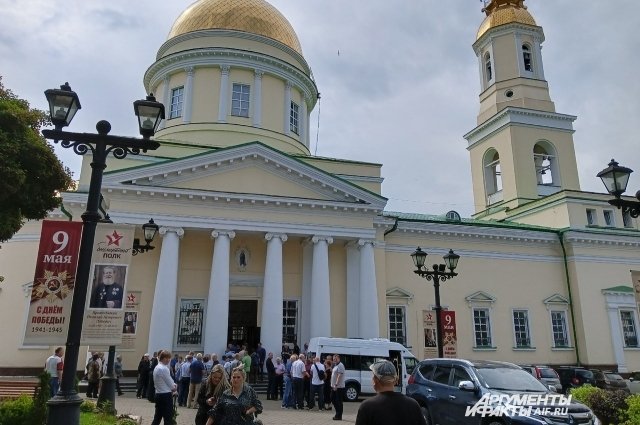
(521, 149)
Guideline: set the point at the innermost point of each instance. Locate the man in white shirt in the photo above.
(165, 387)
(317, 384)
(297, 373)
(337, 386)
(54, 366)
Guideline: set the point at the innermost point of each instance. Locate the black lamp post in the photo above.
(150, 229)
(438, 274)
(615, 178)
(64, 407)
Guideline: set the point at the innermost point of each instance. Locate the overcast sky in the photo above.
(402, 91)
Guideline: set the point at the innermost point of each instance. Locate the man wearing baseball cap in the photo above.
(388, 407)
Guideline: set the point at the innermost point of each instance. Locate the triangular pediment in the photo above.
(398, 292)
(480, 297)
(556, 299)
(250, 169)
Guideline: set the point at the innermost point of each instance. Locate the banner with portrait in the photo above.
(106, 302)
(130, 322)
(53, 283)
(430, 336)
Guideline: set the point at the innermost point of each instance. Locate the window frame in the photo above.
(241, 94)
(611, 222)
(528, 343)
(488, 67)
(592, 217)
(527, 51)
(489, 328)
(565, 323)
(404, 324)
(285, 316)
(634, 325)
(176, 107)
(294, 118)
(203, 310)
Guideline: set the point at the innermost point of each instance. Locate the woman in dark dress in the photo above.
(238, 404)
(210, 392)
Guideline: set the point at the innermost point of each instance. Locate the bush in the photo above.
(610, 406)
(583, 394)
(633, 411)
(16, 412)
(39, 414)
(88, 406)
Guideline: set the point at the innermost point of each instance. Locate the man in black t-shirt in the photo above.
(388, 407)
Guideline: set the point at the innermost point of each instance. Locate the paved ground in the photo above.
(272, 415)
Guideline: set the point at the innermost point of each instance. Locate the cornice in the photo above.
(580, 239)
(519, 117)
(485, 254)
(514, 27)
(212, 57)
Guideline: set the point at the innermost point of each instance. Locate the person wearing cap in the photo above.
(388, 407)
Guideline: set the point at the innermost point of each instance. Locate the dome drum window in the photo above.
(240, 100)
(294, 118)
(177, 100)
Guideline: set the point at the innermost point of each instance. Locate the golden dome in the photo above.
(252, 16)
(502, 12)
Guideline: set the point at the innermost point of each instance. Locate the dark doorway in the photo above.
(243, 319)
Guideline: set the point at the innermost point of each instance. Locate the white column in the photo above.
(304, 122)
(163, 312)
(166, 101)
(320, 288)
(369, 315)
(616, 337)
(305, 309)
(188, 96)
(224, 93)
(353, 290)
(287, 107)
(272, 294)
(257, 98)
(217, 320)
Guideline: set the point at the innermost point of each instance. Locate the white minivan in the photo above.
(358, 354)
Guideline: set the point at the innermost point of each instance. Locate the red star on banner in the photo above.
(114, 238)
(131, 298)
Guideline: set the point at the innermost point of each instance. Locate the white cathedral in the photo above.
(262, 241)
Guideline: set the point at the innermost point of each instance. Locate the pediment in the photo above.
(250, 169)
(398, 292)
(480, 297)
(556, 299)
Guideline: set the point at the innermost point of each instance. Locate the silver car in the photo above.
(546, 375)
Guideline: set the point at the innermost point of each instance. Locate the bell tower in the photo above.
(521, 149)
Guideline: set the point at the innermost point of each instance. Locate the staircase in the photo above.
(129, 385)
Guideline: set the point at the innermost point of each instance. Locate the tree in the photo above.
(31, 175)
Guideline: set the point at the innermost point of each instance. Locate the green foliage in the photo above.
(88, 406)
(610, 406)
(583, 393)
(633, 410)
(87, 418)
(39, 413)
(126, 421)
(17, 411)
(30, 172)
(107, 407)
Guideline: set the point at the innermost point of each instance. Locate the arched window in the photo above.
(492, 176)
(526, 58)
(487, 66)
(547, 170)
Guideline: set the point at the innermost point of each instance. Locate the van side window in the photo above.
(410, 363)
(441, 375)
(459, 375)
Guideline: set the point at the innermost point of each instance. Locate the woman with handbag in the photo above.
(238, 405)
(210, 392)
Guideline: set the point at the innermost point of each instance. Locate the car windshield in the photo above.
(584, 373)
(546, 372)
(614, 376)
(509, 379)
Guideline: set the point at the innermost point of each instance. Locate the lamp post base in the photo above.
(107, 392)
(64, 409)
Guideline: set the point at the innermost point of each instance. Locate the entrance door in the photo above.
(243, 320)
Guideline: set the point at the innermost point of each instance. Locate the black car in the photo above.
(609, 381)
(573, 377)
(450, 392)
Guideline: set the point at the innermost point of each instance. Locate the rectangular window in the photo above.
(592, 218)
(190, 322)
(293, 117)
(482, 327)
(609, 218)
(177, 97)
(629, 328)
(559, 329)
(521, 328)
(397, 331)
(289, 321)
(240, 100)
(626, 219)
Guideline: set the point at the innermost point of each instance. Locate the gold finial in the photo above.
(497, 4)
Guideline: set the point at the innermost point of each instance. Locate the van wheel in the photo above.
(426, 414)
(351, 392)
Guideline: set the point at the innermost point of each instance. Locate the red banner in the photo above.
(449, 338)
(53, 284)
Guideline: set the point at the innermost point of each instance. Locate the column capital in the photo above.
(363, 242)
(177, 230)
(225, 69)
(283, 237)
(318, 238)
(189, 70)
(166, 78)
(258, 73)
(289, 84)
(229, 233)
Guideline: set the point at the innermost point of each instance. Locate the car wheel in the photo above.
(351, 392)
(426, 414)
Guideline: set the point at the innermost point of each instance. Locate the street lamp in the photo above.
(438, 274)
(64, 407)
(150, 229)
(615, 178)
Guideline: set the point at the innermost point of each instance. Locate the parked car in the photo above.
(609, 380)
(633, 382)
(573, 377)
(447, 388)
(546, 375)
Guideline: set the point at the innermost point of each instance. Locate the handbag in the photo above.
(256, 421)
